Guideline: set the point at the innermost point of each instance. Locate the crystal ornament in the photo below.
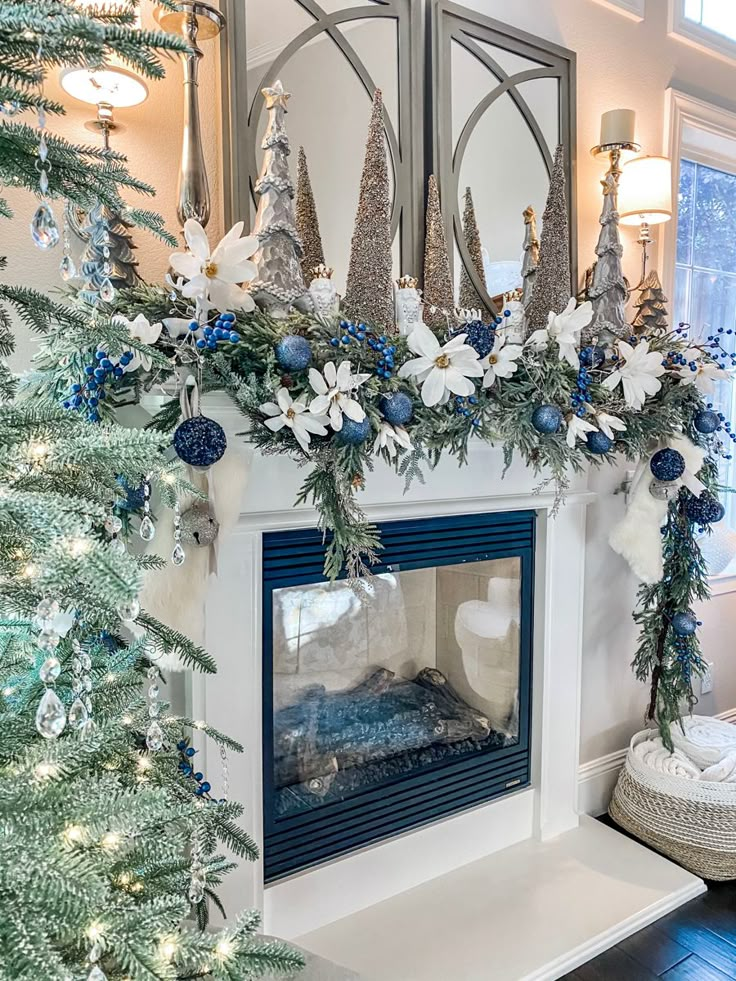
(47, 609)
(50, 670)
(44, 230)
(113, 524)
(107, 291)
(67, 269)
(51, 715)
(78, 714)
(96, 974)
(178, 555)
(155, 738)
(117, 544)
(129, 611)
(147, 530)
(48, 640)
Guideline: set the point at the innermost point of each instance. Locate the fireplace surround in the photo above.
(400, 702)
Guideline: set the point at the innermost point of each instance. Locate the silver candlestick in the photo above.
(195, 21)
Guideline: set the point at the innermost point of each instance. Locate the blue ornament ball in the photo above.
(480, 336)
(667, 464)
(134, 496)
(706, 421)
(547, 419)
(294, 353)
(200, 442)
(684, 624)
(704, 510)
(598, 442)
(396, 408)
(592, 357)
(353, 433)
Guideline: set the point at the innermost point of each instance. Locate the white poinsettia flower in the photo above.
(707, 372)
(390, 438)
(441, 369)
(213, 275)
(286, 412)
(501, 362)
(140, 329)
(608, 424)
(578, 427)
(639, 374)
(177, 326)
(564, 328)
(334, 386)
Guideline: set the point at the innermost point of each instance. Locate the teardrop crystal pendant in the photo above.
(155, 737)
(44, 230)
(50, 715)
(96, 974)
(77, 713)
(67, 269)
(147, 530)
(107, 291)
(49, 670)
(178, 555)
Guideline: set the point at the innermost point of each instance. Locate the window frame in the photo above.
(704, 39)
(633, 9)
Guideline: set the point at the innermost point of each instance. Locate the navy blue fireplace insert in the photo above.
(399, 700)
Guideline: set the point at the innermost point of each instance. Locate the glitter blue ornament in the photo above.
(294, 353)
(704, 510)
(667, 464)
(706, 421)
(547, 419)
(396, 408)
(684, 624)
(598, 442)
(480, 336)
(592, 357)
(353, 433)
(200, 442)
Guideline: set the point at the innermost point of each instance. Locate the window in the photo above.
(706, 24)
(714, 15)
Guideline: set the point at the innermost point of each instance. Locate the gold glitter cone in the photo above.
(438, 291)
(470, 299)
(307, 222)
(552, 285)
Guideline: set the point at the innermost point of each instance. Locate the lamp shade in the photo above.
(111, 86)
(645, 191)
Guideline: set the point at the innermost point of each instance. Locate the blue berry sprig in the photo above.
(186, 767)
(223, 332)
(580, 396)
(459, 407)
(87, 395)
(359, 334)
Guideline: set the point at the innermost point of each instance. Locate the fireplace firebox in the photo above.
(399, 700)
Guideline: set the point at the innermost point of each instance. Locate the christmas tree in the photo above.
(438, 291)
(110, 839)
(469, 297)
(552, 284)
(530, 263)
(608, 290)
(307, 222)
(279, 283)
(651, 315)
(109, 244)
(369, 294)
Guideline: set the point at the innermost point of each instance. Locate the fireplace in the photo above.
(398, 701)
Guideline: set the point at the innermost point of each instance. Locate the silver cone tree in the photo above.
(607, 290)
(438, 290)
(552, 284)
(470, 298)
(530, 262)
(369, 293)
(279, 283)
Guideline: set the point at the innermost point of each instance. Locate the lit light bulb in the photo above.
(168, 949)
(137, 887)
(95, 931)
(126, 720)
(7, 692)
(78, 546)
(74, 834)
(29, 571)
(44, 771)
(224, 949)
(37, 451)
(200, 724)
(111, 840)
(144, 764)
(125, 878)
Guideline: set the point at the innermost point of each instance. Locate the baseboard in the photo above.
(597, 778)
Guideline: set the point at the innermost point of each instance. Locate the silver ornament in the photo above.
(663, 490)
(198, 526)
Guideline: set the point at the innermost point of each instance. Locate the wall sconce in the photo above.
(107, 88)
(645, 198)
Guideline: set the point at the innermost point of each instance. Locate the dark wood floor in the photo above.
(695, 943)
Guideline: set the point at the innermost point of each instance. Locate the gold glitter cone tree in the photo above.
(552, 285)
(438, 291)
(279, 282)
(530, 262)
(307, 222)
(469, 296)
(369, 294)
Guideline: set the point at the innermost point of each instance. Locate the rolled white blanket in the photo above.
(705, 741)
(654, 754)
(722, 772)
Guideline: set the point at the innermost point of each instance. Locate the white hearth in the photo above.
(528, 846)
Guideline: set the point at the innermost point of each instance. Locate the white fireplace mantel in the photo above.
(350, 887)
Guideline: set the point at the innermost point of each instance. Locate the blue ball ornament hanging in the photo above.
(353, 433)
(593, 356)
(479, 336)
(294, 353)
(598, 442)
(706, 421)
(667, 464)
(704, 510)
(684, 624)
(547, 419)
(200, 442)
(396, 408)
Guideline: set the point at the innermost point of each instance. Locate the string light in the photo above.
(74, 834)
(95, 931)
(111, 841)
(7, 692)
(144, 764)
(37, 451)
(30, 571)
(78, 546)
(45, 771)
(224, 949)
(168, 948)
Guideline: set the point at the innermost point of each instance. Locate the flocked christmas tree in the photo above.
(530, 262)
(439, 302)
(469, 296)
(651, 312)
(552, 284)
(279, 283)
(608, 290)
(108, 262)
(307, 221)
(369, 293)
(109, 840)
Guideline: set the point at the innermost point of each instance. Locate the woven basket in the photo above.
(692, 822)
